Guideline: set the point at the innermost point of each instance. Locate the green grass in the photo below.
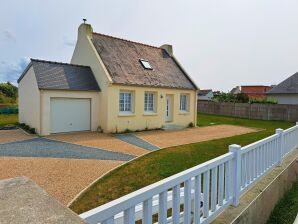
(286, 209)
(6, 119)
(166, 162)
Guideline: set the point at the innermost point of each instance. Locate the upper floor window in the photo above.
(184, 102)
(149, 103)
(125, 102)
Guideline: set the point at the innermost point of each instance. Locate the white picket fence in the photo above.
(199, 194)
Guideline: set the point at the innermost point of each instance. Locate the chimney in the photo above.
(168, 48)
(85, 30)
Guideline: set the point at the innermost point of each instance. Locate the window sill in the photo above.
(150, 114)
(126, 115)
(184, 112)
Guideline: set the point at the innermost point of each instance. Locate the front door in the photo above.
(169, 105)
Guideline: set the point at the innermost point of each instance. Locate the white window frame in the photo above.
(184, 103)
(150, 107)
(126, 107)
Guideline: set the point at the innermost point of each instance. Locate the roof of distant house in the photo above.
(288, 86)
(62, 76)
(204, 92)
(132, 63)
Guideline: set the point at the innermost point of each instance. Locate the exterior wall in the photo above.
(29, 101)
(139, 120)
(255, 92)
(209, 96)
(86, 54)
(285, 98)
(46, 96)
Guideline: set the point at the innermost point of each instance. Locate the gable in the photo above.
(122, 60)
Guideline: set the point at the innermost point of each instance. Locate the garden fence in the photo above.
(199, 194)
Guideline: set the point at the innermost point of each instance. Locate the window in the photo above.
(183, 102)
(125, 102)
(149, 103)
(146, 64)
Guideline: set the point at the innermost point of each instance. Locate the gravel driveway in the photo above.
(46, 148)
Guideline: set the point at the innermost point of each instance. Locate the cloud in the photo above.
(10, 72)
(8, 36)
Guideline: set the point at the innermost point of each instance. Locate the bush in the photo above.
(32, 130)
(263, 101)
(190, 125)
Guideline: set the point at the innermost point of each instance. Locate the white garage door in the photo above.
(69, 115)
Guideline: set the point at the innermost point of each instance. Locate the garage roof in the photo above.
(62, 76)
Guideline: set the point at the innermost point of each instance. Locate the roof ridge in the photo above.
(57, 62)
(135, 42)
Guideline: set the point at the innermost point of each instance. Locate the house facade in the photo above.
(285, 92)
(111, 84)
(205, 94)
(256, 91)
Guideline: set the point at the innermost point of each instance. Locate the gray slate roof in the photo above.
(204, 92)
(62, 76)
(288, 86)
(121, 58)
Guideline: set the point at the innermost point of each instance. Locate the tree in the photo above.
(9, 90)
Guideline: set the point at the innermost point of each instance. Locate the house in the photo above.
(256, 91)
(111, 84)
(205, 94)
(236, 90)
(285, 92)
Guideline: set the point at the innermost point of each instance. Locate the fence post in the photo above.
(236, 149)
(280, 133)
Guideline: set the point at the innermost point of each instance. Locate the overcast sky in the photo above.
(220, 43)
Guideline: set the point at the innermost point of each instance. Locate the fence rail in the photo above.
(199, 194)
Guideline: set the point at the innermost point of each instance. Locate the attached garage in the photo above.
(58, 97)
(70, 115)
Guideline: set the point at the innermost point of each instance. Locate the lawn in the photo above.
(8, 119)
(286, 210)
(166, 162)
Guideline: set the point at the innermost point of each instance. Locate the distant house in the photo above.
(205, 94)
(285, 92)
(256, 92)
(235, 90)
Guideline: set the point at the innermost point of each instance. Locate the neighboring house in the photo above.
(236, 90)
(205, 94)
(285, 92)
(256, 92)
(111, 85)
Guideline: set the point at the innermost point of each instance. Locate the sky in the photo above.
(221, 44)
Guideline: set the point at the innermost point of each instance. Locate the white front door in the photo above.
(70, 114)
(169, 115)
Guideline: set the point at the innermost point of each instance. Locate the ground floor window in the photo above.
(184, 102)
(125, 102)
(149, 102)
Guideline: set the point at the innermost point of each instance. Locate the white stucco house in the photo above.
(205, 94)
(111, 84)
(285, 92)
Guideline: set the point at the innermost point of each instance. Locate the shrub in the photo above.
(190, 125)
(32, 130)
(263, 101)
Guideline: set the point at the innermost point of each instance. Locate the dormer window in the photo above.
(146, 64)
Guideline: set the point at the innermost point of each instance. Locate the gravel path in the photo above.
(134, 140)
(164, 139)
(41, 147)
(14, 135)
(61, 178)
(100, 141)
